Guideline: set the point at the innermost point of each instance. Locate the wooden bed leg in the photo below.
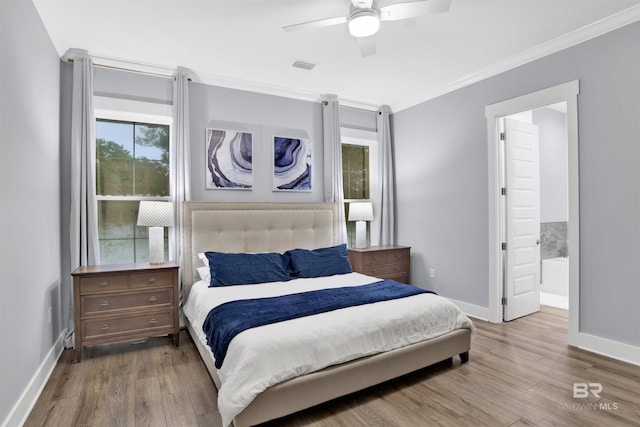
(464, 357)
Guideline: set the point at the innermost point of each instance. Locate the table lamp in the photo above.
(156, 215)
(360, 212)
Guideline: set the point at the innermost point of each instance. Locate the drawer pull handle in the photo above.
(152, 279)
(104, 303)
(152, 298)
(105, 327)
(153, 321)
(104, 283)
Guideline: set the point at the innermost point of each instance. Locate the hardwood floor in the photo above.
(520, 373)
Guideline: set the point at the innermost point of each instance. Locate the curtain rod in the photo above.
(113, 67)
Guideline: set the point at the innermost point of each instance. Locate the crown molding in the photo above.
(588, 32)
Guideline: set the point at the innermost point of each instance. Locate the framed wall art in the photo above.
(291, 164)
(229, 159)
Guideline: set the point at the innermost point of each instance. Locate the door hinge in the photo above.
(504, 246)
(503, 136)
(503, 191)
(504, 301)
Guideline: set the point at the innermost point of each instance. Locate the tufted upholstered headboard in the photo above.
(253, 227)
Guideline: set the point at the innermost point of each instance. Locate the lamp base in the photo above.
(156, 245)
(361, 234)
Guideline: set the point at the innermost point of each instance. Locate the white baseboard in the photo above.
(613, 349)
(31, 393)
(476, 311)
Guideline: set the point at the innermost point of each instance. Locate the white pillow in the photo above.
(205, 274)
(204, 258)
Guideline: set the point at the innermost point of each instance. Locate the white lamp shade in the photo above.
(360, 211)
(155, 214)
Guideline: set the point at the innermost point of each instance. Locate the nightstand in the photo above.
(385, 262)
(121, 302)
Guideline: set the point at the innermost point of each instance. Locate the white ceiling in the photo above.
(240, 43)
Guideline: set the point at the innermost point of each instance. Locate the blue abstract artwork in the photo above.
(291, 164)
(229, 159)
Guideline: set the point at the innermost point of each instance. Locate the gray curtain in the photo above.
(181, 159)
(386, 189)
(83, 226)
(333, 190)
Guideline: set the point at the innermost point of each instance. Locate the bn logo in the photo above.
(582, 390)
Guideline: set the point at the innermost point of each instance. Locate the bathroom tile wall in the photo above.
(553, 236)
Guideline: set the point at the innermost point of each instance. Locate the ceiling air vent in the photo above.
(304, 65)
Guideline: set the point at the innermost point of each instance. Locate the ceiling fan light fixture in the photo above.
(364, 22)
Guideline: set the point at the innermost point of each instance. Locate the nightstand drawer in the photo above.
(386, 262)
(385, 257)
(98, 304)
(386, 270)
(129, 325)
(107, 283)
(143, 280)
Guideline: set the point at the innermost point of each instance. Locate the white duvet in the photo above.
(260, 357)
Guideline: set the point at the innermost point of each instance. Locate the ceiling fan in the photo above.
(364, 18)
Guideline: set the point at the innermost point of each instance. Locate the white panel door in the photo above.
(522, 204)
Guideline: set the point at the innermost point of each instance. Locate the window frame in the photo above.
(350, 136)
(106, 108)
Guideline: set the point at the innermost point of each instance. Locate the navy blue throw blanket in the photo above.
(227, 320)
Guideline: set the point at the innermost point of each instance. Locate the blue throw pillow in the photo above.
(319, 262)
(246, 269)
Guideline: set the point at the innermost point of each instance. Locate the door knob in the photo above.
(537, 241)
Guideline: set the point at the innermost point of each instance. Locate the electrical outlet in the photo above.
(50, 314)
(432, 273)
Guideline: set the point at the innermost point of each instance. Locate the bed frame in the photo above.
(276, 227)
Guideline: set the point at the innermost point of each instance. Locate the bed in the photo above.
(256, 228)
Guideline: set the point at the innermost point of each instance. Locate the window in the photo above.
(132, 164)
(359, 174)
(355, 171)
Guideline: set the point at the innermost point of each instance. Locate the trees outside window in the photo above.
(132, 164)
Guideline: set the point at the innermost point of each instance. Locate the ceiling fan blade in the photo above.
(327, 22)
(367, 46)
(398, 11)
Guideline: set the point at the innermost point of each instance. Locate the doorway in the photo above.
(520, 172)
(568, 93)
(535, 178)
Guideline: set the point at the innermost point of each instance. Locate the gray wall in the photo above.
(356, 118)
(29, 198)
(264, 116)
(443, 197)
(120, 84)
